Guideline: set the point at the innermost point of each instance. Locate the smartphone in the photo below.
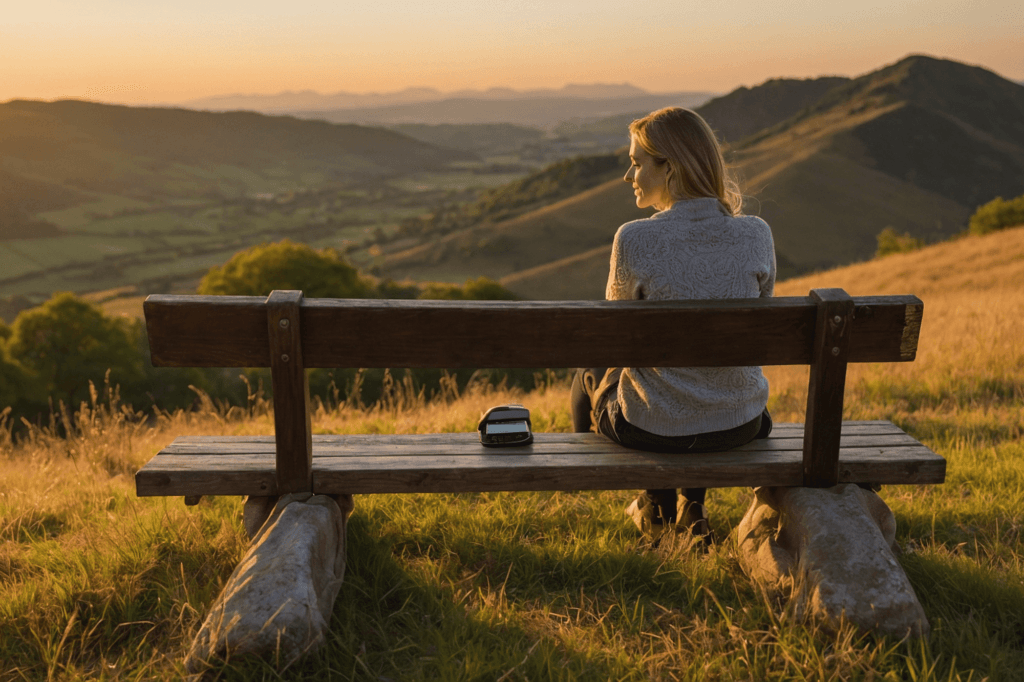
(506, 426)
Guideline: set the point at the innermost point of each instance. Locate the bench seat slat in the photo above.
(787, 430)
(244, 465)
(469, 444)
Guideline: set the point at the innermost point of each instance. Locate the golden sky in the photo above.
(144, 52)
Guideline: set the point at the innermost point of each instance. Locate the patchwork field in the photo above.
(98, 584)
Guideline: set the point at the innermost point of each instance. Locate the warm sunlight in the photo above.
(139, 53)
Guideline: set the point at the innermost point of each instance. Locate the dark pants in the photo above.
(594, 405)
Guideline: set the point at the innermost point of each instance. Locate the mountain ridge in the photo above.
(315, 101)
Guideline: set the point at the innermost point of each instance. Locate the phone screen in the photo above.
(507, 427)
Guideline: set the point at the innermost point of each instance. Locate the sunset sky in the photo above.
(142, 52)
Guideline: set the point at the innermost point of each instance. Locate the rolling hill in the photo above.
(917, 146)
(746, 111)
(560, 230)
(59, 154)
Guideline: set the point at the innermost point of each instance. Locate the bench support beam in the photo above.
(830, 354)
(291, 394)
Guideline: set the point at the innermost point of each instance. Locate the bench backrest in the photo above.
(288, 334)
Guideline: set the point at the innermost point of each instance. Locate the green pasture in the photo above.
(84, 215)
(458, 180)
(14, 263)
(155, 222)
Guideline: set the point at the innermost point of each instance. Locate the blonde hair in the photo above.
(684, 140)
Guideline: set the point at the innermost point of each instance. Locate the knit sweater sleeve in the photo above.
(766, 281)
(623, 283)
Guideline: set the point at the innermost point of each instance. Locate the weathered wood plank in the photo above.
(291, 393)
(470, 445)
(230, 331)
(207, 331)
(779, 430)
(613, 471)
(256, 476)
(826, 385)
(253, 474)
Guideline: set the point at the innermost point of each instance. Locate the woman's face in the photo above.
(649, 178)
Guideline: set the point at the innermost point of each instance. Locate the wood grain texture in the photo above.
(293, 446)
(230, 331)
(826, 386)
(911, 331)
(467, 444)
(780, 429)
(876, 452)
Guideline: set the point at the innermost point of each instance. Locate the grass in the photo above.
(96, 583)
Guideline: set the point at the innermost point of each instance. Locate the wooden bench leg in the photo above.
(255, 513)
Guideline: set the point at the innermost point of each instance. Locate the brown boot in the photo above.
(694, 518)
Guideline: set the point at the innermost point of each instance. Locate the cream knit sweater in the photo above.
(693, 250)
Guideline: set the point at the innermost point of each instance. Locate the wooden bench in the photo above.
(826, 330)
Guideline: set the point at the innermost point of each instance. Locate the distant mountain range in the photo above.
(309, 100)
(828, 162)
(541, 108)
(539, 112)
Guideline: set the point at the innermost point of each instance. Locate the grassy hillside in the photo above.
(581, 276)
(481, 138)
(746, 111)
(98, 584)
(562, 229)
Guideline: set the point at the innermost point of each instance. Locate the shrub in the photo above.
(890, 242)
(997, 215)
(259, 270)
(480, 289)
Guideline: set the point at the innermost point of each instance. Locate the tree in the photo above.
(66, 343)
(261, 269)
(18, 389)
(997, 215)
(891, 242)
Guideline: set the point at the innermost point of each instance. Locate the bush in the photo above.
(890, 242)
(480, 289)
(65, 343)
(261, 269)
(997, 215)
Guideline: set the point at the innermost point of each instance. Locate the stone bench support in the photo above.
(834, 551)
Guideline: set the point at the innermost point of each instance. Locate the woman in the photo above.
(697, 246)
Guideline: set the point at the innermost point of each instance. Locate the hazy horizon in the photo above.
(142, 53)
